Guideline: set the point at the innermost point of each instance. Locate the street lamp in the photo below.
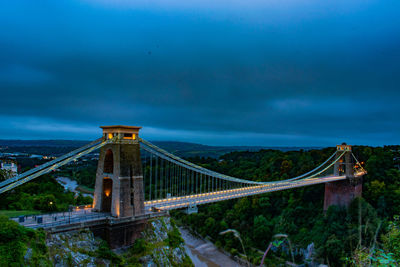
(277, 245)
(237, 235)
(69, 211)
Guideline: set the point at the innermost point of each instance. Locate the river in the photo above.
(70, 185)
(204, 253)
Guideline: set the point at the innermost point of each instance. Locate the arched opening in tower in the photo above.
(107, 195)
(109, 162)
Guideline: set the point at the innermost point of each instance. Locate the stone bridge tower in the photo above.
(119, 179)
(341, 193)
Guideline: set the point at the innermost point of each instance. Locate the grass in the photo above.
(16, 213)
(85, 189)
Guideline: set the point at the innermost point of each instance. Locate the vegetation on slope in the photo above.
(161, 244)
(340, 236)
(20, 246)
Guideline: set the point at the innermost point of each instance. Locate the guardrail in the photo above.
(88, 218)
(69, 220)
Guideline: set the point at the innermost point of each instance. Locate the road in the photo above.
(204, 253)
(61, 218)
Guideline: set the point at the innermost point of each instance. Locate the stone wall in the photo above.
(341, 193)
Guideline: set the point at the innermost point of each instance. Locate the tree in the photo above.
(286, 166)
(82, 200)
(391, 240)
(14, 241)
(45, 203)
(376, 189)
(210, 226)
(261, 231)
(5, 174)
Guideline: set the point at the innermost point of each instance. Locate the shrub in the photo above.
(174, 238)
(105, 252)
(139, 246)
(14, 240)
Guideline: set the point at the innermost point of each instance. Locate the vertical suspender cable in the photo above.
(213, 184)
(161, 178)
(207, 190)
(175, 180)
(156, 176)
(144, 172)
(165, 179)
(201, 183)
(180, 181)
(184, 181)
(169, 178)
(181, 178)
(151, 170)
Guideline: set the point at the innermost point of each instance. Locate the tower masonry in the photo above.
(119, 178)
(341, 193)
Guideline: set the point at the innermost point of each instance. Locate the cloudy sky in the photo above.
(237, 72)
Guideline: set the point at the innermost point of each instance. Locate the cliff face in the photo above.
(79, 248)
(160, 245)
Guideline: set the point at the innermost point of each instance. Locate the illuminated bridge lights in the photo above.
(197, 199)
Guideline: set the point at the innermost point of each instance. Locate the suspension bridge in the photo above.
(136, 179)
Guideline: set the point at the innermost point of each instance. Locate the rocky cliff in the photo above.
(160, 245)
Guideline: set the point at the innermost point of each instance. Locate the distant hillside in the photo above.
(44, 143)
(183, 149)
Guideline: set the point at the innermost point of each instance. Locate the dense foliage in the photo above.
(338, 236)
(20, 246)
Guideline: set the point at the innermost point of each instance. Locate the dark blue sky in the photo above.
(215, 72)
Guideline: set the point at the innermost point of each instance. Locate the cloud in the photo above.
(279, 73)
(18, 74)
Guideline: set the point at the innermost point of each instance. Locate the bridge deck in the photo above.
(198, 199)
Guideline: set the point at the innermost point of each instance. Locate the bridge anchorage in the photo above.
(137, 180)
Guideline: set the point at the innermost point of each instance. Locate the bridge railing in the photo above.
(69, 220)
